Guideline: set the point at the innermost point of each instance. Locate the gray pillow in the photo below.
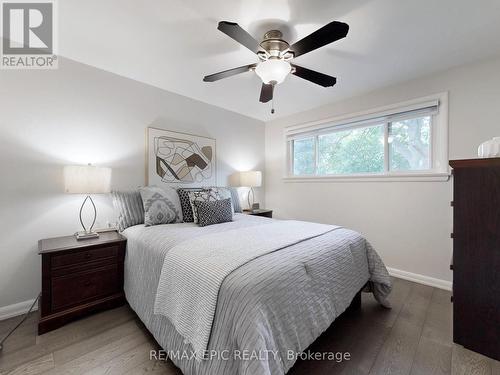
(187, 210)
(214, 212)
(161, 205)
(236, 199)
(128, 206)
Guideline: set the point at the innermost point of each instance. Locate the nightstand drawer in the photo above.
(84, 256)
(74, 289)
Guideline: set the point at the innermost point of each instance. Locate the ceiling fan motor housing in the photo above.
(273, 43)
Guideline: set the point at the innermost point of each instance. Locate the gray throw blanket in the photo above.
(194, 270)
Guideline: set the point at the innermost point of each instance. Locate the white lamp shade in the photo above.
(79, 179)
(248, 179)
(273, 70)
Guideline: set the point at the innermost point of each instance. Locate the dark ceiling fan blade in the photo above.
(266, 92)
(228, 73)
(327, 34)
(233, 30)
(315, 77)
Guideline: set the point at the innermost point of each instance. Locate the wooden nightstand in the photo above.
(80, 277)
(259, 212)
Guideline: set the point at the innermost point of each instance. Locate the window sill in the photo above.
(406, 177)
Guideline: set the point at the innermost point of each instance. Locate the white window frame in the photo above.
(439, 170)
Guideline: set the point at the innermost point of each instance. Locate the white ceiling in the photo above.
(172, 44)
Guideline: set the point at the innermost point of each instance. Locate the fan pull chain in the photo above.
(272, 98)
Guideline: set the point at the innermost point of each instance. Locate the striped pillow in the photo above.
(236, 199)
(128, 205)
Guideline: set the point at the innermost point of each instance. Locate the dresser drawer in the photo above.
(74, 289)
(84, 256)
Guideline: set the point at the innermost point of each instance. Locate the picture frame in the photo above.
(180, 159)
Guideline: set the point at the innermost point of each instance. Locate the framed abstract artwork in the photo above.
(180, 159)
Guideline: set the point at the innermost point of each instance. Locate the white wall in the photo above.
(79, 114)
(409, 223)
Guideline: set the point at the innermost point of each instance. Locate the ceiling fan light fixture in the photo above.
(273, 70)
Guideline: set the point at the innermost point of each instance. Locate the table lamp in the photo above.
(249, 179)
(87, 179)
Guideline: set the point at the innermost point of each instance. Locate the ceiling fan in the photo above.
(275, 55)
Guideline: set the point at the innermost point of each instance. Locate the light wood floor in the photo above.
(415, 337)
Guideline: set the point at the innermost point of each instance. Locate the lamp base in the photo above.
(86, 235)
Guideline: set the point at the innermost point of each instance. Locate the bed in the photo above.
(268, 308)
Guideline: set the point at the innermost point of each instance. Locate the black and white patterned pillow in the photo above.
(229, 192)
(224, 193)
(214, 212)
(187, 210)
(128, 206)
(161, 206)
(209, 195)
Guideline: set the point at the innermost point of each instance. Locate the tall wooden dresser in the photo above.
(476, 255)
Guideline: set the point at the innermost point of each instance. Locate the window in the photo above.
(303, 156)
(359, 150)
(405, 140)
(409, 144)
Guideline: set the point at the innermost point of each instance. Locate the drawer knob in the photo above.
(88, 256)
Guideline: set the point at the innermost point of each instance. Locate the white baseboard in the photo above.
(421, 279)
(16, 309)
